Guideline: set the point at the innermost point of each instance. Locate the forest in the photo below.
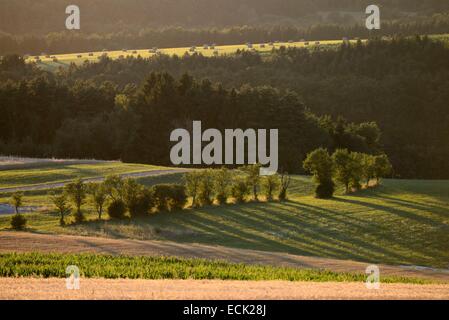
(383, 96)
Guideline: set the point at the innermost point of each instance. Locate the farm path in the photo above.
(31, 242)
(53, 288)
(44, 186)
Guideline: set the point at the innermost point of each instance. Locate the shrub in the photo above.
(348, 168)
(178, 197)
(206, 188)
(382, 167)
(142, 204)
(114, 187)
(61, 203)
(253, 178)
(270, 184)
(18, 221)
(17, 198)
(169, 197)
(117, 209)
(320, 164)
(162, 196)
(192, 181)
(131, 192)
(240, 190)
(325, 190)
(285, 183)
(99, 196)
(77, 191)
(222, 182)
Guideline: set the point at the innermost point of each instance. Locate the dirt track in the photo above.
(27, 242)
(29, 288)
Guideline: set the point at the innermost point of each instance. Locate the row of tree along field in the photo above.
(336, 99)
(208, 187)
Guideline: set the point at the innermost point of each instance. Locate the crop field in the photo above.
(52, 62)
(114, 267)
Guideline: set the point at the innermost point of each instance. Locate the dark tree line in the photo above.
(45, 117)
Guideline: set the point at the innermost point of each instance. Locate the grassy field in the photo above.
(32, 174)
(401, 222)
(113, 267)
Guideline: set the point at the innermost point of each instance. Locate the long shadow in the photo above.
(444, 211)
(415, 246)
(237, 237)
(401, 213)
(239, 215)
(344, 238)
(406, 244)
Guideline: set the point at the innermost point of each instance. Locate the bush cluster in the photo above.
(220, 186)
(118, 197)
(351, 169)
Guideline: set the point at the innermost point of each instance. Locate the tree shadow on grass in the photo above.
(252, 218)
(389, 209)
(303, 232)
(354, 245)
(237, 235)
(439, 210)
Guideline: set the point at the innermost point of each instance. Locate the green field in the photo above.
(33, 174)
(113, 267)
(401, 222)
